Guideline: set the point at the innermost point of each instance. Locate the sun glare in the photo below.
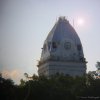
(80, 21)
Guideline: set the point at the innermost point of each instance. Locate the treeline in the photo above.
(58, 87)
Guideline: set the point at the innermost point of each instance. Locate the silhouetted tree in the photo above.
(56, 87)
(98, 65)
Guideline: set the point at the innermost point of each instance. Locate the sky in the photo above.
(25, 24)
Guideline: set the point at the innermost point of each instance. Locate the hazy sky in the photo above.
(25, 24)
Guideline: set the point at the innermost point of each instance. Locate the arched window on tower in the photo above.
(54, 45)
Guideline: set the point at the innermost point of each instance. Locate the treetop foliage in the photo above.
(58, 87)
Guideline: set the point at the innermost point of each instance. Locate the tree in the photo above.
(98, 65)
(7, 89)
(22, 82)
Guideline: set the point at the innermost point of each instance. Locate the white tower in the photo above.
(62, 52)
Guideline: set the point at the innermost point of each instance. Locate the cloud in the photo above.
(15, 75)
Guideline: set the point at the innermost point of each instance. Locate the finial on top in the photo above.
(62, 18)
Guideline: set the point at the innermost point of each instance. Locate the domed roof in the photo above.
(62, 43)
(62, 29)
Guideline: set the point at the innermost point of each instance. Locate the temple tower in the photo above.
(62, 51)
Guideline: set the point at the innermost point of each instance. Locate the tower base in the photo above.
(66, 68)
